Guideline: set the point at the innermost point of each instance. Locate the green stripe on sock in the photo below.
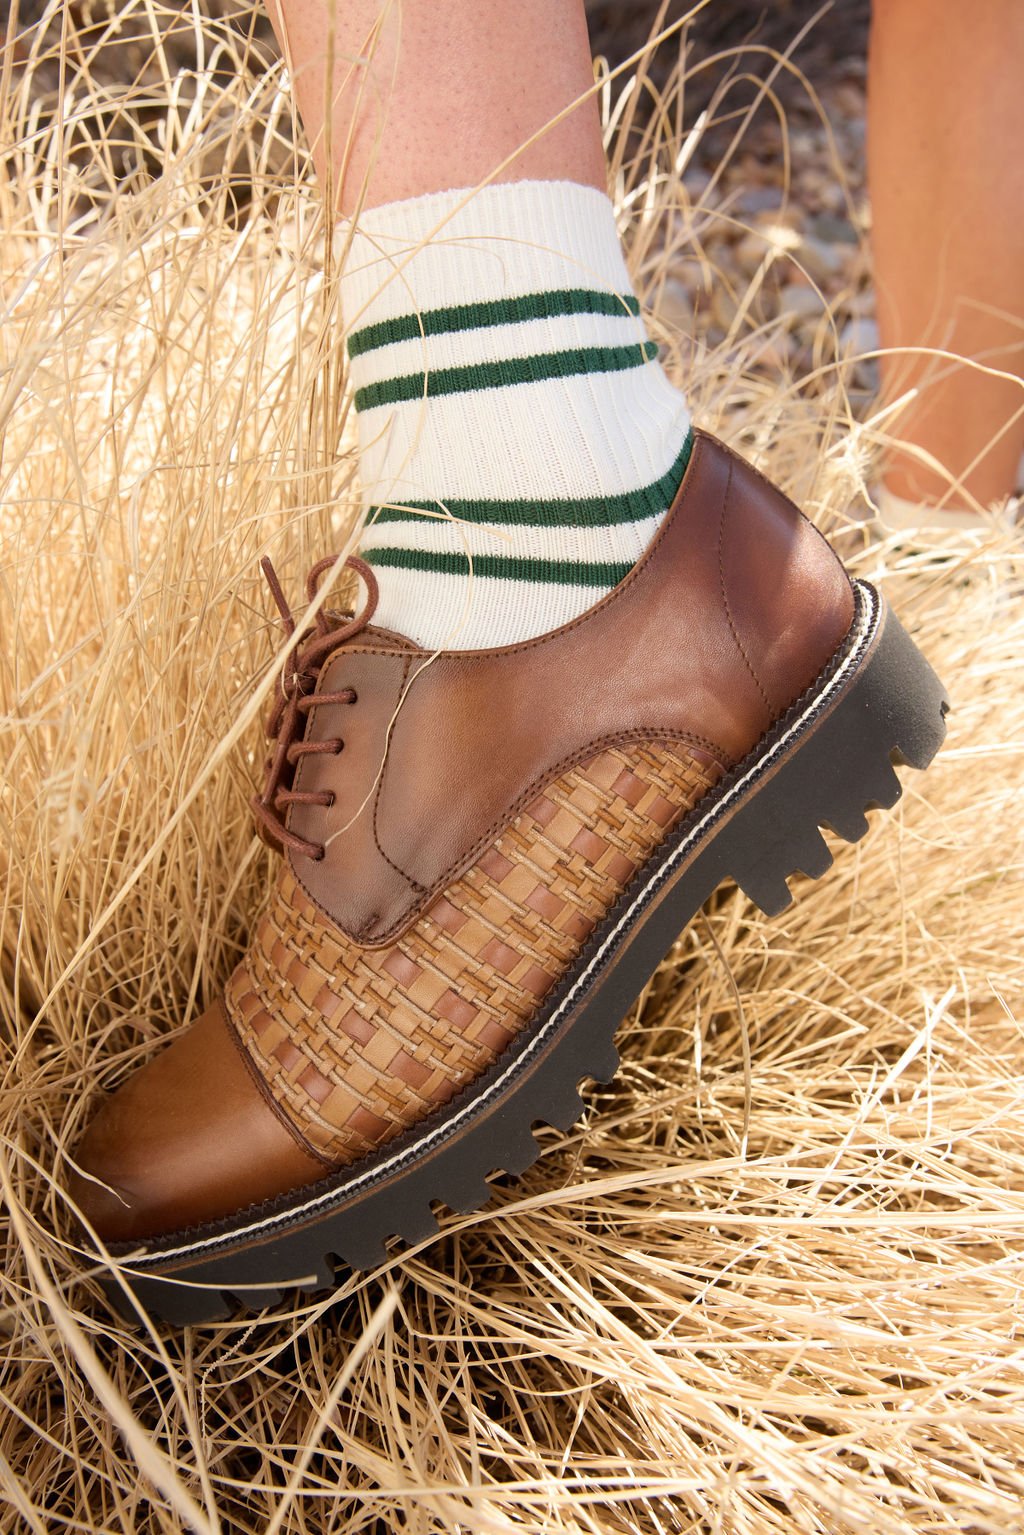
(563, 572)
(499, 375)
(586, 512)
(509, 311)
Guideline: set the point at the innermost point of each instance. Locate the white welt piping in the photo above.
(865, 629)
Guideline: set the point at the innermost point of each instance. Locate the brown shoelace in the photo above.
(287, 720)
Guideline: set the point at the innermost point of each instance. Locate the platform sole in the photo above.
(824, 765)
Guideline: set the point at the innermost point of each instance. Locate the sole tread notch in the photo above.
(812, 855)
(767, 888)
(518, 1151)
(603, 1066)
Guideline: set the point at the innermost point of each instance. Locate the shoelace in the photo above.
(287, 719)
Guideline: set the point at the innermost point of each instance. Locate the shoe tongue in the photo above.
(384, 639)
(380, 639)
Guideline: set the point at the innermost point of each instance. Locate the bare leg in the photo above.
(444, 95)
(946, 122)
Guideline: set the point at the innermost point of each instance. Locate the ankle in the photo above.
(520, 442)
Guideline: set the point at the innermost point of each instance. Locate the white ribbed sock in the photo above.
(519, 441)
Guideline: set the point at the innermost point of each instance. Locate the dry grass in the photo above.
(773, 1282)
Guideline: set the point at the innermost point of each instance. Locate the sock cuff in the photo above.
(415, 216)
(469, 245)
(519, 441)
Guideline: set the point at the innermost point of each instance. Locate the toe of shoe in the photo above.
(190, 1138)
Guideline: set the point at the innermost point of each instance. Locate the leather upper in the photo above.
(732, 612)
(188, 1138)
(466, 763)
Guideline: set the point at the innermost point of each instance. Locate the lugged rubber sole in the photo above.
(824, 764)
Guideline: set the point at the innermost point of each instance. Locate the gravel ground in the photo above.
(810, 234)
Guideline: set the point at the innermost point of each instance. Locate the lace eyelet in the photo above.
(355, 696)
(295, 699)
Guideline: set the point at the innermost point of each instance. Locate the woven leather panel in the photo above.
(355, 1045)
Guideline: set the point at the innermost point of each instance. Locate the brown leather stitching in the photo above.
(676, 510)
(725, 598)
(414, 884)
(375, 938)
(536, 786)
(774, 490)
(268, 1097)
(358, 1043)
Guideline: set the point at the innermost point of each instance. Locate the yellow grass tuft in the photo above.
(773, 1282)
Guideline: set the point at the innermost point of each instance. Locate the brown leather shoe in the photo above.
(476, 888)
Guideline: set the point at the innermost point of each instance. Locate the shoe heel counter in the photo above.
(788, 598)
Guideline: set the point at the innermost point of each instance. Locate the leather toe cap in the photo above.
(189, 1138)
